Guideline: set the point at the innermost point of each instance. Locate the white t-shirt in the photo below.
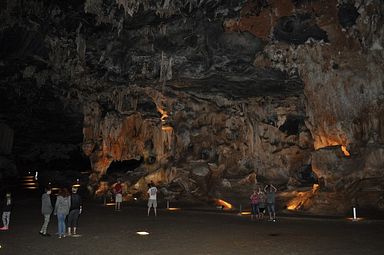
(152, 193)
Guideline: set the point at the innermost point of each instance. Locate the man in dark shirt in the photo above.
(74, 211)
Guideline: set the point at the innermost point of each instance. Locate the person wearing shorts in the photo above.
(270, 191)
(118, 189)
(152, 201)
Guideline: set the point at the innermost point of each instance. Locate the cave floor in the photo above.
(104, 231)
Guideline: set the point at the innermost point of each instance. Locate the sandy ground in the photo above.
(104, 231)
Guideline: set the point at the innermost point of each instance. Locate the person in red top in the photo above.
(118, 190)
(255, 204)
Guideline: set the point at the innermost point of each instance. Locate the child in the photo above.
(6, 206)
(261, 204)
(254, 204)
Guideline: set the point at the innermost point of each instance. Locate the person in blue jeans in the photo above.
(7, 208)
(62, 206)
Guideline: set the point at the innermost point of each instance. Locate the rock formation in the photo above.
(210, 98)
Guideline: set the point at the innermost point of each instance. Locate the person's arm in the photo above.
(81, 204)
(274, 188)
(265, 188)
(56, 204)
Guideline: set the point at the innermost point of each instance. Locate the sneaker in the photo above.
(4, 228)
(41, 233)
(274, 220)
(46, 234)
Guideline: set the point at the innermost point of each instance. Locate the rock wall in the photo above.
(206, 145)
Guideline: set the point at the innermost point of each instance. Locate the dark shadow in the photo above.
(124, 166)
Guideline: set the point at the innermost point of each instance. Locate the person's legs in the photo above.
(44, 228)
(3, 217)
(253, 211)
(257, 210)
(71, 216)
(155, 206)
(61, 219)
(269, 211)
(6, 218)
(273, 211)
(74, 220)
(149, 206)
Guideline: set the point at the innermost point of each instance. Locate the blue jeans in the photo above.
(255, 209)
(61, 223)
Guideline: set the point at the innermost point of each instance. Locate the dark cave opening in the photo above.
(124, 166)
(306, 176)
(292, 125)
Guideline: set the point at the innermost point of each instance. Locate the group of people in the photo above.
(261, 200)
(68, 208)
(152, 196)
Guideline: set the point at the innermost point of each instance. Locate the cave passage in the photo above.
(124, 166)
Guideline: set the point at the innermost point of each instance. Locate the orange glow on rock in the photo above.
(322, 142)
(164, 114)
(345, 151)
(223, 203)
(301, 198)
(167, 128)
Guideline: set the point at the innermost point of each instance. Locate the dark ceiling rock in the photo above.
(347, 15)
(297, 29)
(18, 43)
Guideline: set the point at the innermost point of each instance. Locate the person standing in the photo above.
(7, 208)
(261, 203)
(271, 191)
(74, 211)
(152, 201)
(46, 210)
(255, 205)
(118, 190)
(63, 203)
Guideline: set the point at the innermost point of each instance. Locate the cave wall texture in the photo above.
(215, 97)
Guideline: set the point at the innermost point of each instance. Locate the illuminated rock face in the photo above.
(213, 97)
(199, 145)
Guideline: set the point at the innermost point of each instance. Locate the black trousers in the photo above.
(73, 218)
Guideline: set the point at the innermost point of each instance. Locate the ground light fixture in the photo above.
(142, 233)
(173, 209)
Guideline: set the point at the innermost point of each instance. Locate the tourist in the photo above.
(118, 190)
(261, 204)
(74, 211)
(46, 210)
(254, 205)
(6, 207)
(271, 190)
(152, 200)
(63, 203)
